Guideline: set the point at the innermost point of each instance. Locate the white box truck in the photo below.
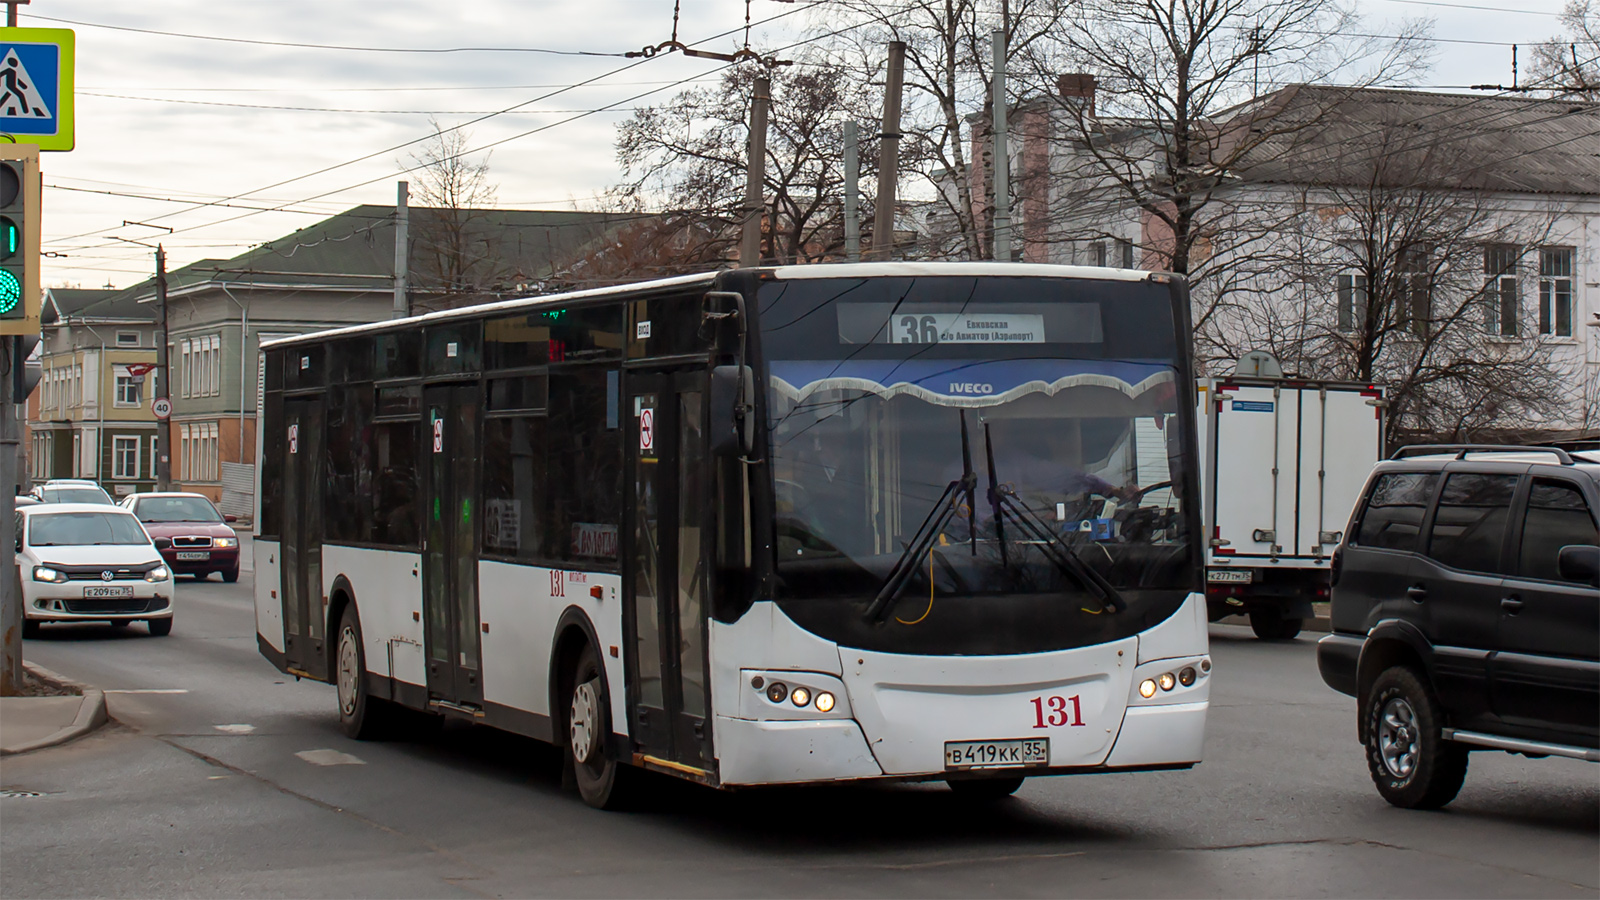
(1283, 460)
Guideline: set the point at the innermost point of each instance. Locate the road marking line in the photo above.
(327, 757)
(235, 729)
(148, 691)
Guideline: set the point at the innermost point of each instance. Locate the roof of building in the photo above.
(91, 304)
(355, 249)
(1326, 135)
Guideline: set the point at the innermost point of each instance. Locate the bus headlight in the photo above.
(1167, 681)
(1186, 676)
(824, 702)
(800, 696)
(1147, 688)
(776, 691)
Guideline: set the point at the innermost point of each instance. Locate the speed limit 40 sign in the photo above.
(162, 407)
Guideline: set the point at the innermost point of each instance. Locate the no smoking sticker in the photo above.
(647, 429)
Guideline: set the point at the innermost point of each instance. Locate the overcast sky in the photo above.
(181, 118)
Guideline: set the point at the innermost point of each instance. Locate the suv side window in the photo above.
(1557, 517)
(1470, 525)
(1394, 512)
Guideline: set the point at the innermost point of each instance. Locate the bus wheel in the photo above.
(588, 724)
(361, 716)
(984, 788)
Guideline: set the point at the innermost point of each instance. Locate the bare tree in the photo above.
(948, 100)
(452, 253)
(1184, 94)
(689, 155)
(1411, 274)
(1569, 65)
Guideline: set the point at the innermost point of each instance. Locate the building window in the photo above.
(197, 452)
(1501, 304)
(1414, 292)
(1097, 253)
(127, 339)
(1124, 253)
(124, 457)
(130, 388)
(184, 367)
(1555, 291)
(1352, 302)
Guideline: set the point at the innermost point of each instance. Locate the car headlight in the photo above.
(159, 573)
(225, 542)
(45, 573)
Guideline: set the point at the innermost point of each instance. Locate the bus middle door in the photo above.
(450, 419)
(300, 571)
(666, 576)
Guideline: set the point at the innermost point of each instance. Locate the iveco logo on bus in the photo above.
(968, 387)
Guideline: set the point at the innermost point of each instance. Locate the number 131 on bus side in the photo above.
(887, 521)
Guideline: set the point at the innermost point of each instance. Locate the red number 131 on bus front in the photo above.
(1052, 711)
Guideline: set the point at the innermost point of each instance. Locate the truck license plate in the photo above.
(188, 555)
(996, 754)
(92, 593)
(1230, 576)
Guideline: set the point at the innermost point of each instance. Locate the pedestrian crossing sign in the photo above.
(36, 66)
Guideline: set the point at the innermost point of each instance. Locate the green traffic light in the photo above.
(10, 293)
(10, 238)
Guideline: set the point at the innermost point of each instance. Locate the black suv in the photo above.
(1465, 613)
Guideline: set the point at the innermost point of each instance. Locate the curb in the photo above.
(91, 714)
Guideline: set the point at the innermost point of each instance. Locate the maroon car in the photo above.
(202, 542)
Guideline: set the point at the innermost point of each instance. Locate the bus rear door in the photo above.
(450, 420)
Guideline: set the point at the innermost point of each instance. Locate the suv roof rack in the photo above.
(1461, 450)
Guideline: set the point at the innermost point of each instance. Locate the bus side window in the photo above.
(393, 512)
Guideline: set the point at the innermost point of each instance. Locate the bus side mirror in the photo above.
(733, 392)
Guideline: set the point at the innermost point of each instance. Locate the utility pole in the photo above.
(163, 377)
(402, 243)
(852, 192)
(10, 583)
(889, 154)
(755, 176)
(1002, 154)
(11, 12)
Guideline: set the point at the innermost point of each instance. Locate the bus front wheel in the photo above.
(600, 777)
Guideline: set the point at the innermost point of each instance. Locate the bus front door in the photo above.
(300, 570)
(665, 581)
(450, 427)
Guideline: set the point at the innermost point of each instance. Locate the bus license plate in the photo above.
(1230, 576)
(995, 754)
(187, 555)
(102, 592)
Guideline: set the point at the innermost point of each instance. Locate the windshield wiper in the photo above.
(1004, 499)
(944, 509)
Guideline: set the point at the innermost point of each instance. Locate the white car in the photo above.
(83, 562)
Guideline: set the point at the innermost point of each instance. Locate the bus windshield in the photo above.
(1009, 432)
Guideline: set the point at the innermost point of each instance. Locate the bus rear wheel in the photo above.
(984, 788)
(602, 780)
(361, 716)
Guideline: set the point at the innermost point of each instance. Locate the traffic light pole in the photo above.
(163, 381)
(10, 585)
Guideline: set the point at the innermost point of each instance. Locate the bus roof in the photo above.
(826, 270)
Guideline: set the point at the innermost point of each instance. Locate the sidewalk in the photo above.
(33, 723)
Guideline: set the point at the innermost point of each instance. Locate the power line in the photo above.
(1526, 12)
(356, 90)
(328, 109)
(306, 46)
(470, 122)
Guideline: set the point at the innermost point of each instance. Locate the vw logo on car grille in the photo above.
(106, 575)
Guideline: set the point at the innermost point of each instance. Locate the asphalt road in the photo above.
(199, 791)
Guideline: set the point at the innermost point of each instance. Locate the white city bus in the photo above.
(801, 524)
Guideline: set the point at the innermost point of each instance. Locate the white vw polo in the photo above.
(83, 562)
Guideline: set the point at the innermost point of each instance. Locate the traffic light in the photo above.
(19, 239)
